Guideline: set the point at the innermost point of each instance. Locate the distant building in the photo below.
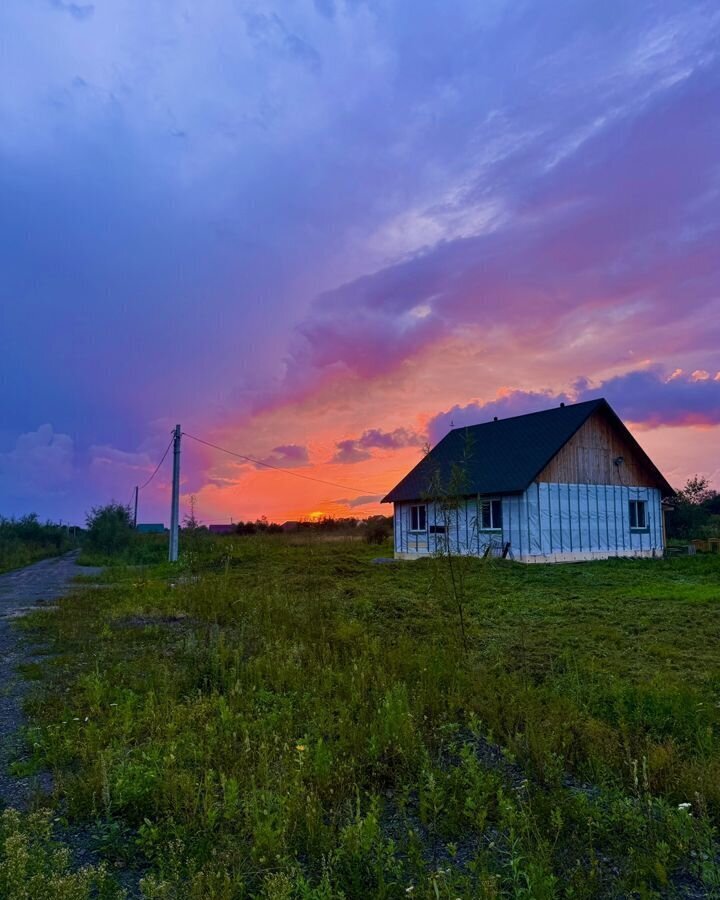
(290, 526)
(564, 484)
(150, 528)
(222, 529)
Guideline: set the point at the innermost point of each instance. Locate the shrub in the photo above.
(378, 529)
(109, 528)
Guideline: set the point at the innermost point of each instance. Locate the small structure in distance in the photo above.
(222, 529)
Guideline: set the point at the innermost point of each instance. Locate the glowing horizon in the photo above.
(362, 226)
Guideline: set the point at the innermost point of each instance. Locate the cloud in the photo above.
(355, 450)
(78, 11)
(286, 456)
(609, 226)
(649, 398)
(105, 455)
(356, 190)
(269, 32)
(41, 462)
(363, 500)
(645, 397)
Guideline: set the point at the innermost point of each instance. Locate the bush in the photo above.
(26, 540)
(378, 529)
(109, 528)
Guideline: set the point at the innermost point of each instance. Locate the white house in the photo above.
(565, 484)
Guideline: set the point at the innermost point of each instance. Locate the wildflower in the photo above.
(684, 805)
(300, 748)
(409, 889)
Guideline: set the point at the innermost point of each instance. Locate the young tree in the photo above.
(109, 528)
(190, 520)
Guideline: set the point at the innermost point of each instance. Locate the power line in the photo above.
(259, 462)
(157, 467)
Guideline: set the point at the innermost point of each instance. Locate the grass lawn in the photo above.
(292, 721)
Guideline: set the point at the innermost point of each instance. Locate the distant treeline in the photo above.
(696, 511)
(25, 540)
(348, 524)
(374, 528)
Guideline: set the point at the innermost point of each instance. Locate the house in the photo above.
(150, 528)
(565, 484)
(222, 529)
(290, 525)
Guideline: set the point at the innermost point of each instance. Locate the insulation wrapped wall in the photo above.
(549, 519)
(588, 518)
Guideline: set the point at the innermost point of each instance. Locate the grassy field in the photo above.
(291, 721)
(27, 540)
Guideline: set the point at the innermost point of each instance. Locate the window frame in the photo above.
(638, 504)
(491, 505)
(415, 508)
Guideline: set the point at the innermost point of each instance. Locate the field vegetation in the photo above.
(26, 540)
(285, 720)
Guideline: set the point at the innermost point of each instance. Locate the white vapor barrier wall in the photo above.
(455, 529)
(546, 520)
(588, 518)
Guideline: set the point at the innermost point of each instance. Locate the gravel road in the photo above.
(21, 591)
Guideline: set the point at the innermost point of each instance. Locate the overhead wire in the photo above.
(157, 467)
(267, 465)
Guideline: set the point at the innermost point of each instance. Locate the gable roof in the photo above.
(507, 455)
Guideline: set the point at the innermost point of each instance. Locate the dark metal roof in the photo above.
(505, 456)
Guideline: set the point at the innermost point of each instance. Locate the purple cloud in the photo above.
(236, 204)
(355, 450)
(363, 500)
(286, 456)
(614, 225)
(646, 397)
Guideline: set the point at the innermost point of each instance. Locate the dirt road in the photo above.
(21, 591)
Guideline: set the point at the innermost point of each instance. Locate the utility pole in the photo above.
(135, 513)
(175, 503)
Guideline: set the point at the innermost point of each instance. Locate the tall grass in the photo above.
(296, 722)
(26, 540)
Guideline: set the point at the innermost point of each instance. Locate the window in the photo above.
(491, 515)
(418, 518)
(438, 529)
(638, 515)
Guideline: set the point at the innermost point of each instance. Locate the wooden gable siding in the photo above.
(588, 457)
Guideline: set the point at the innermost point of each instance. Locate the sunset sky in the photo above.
(318, 232)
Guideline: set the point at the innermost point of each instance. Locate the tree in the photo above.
(378, 529)
(109, 528)
(695, 505)
(697, 491)
(190, 520)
